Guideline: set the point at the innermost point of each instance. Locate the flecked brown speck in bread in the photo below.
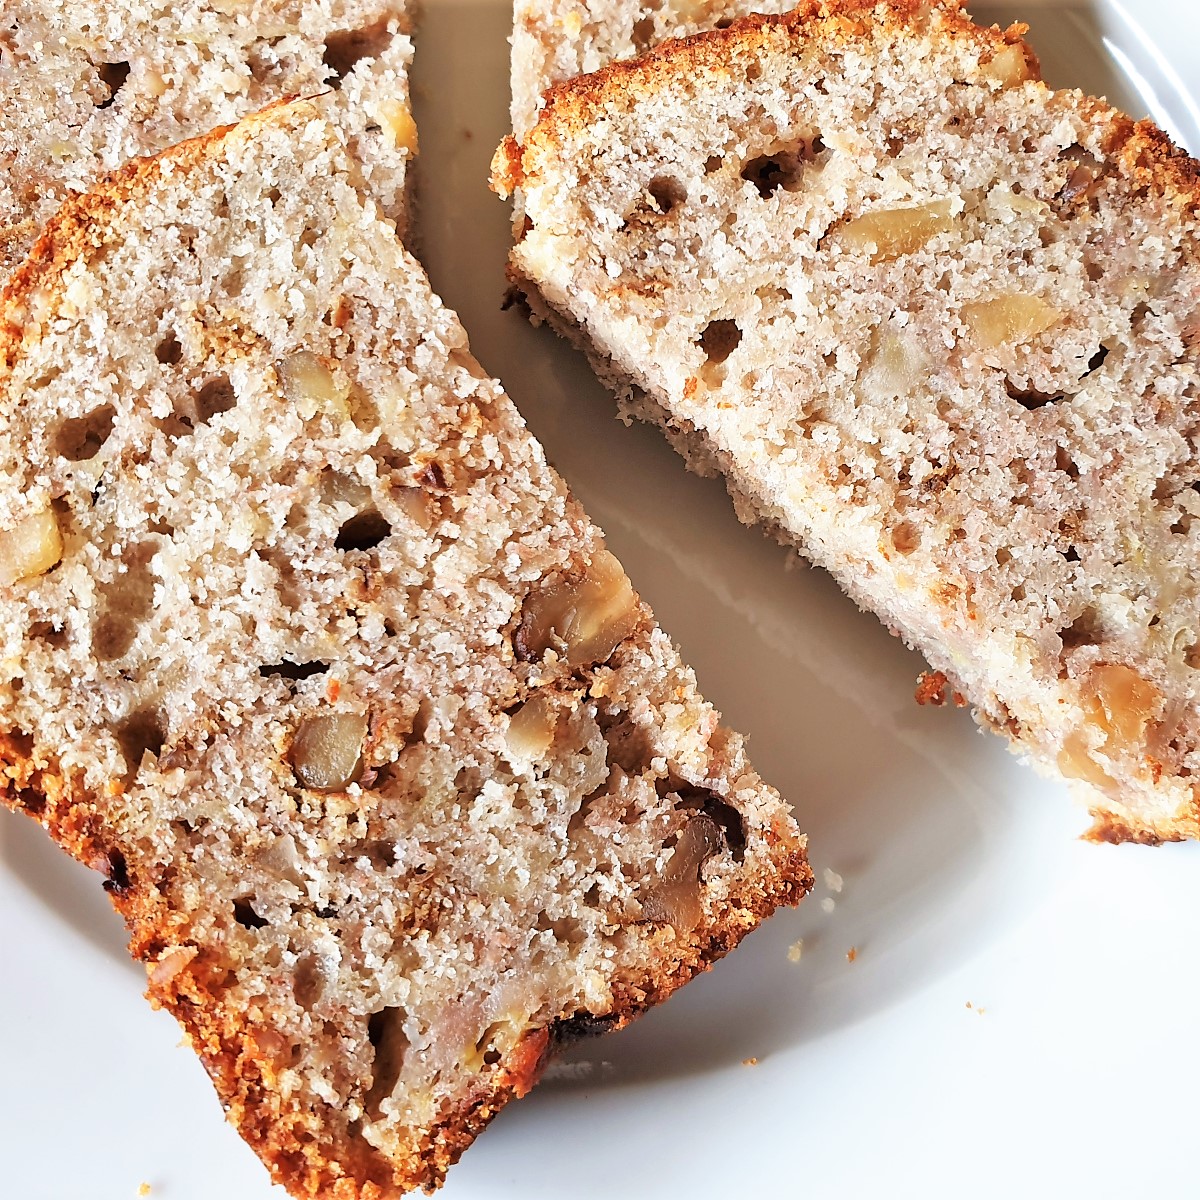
(86, 86)
(937, 325)
(394, 779)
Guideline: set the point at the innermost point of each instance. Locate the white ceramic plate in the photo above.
(1020, 1017)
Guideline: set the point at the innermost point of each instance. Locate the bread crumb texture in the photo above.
(938, 326)
(393, 777)
(89, 85)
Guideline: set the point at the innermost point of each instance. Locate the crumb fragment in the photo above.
(833, 881)
(143, 1189)
(978, 1008)
(931, 688)
(749, 1062)
(795, 950)
(828, 904)
(852, 954)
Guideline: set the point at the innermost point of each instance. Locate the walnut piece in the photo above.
(1007, 67)
(310, 385)
(1122, 707)
(1124, 702)
(30, 548)
(397, 124)
(893, 367)
(531, 729)
(675, 895)
(1012, 317)
(327, 751)
(583, 620)
(1075, 761)
(896, 231)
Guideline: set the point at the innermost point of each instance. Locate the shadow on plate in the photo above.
(71, 891)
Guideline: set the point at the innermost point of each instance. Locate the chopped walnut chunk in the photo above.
(584, 619)
(31, 547)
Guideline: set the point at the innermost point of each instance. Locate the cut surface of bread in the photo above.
(88, 85)
(555, 40)
(393, 777)
(937, 325)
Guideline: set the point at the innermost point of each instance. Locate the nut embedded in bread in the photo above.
(392, 775)
(89, 85)
(937, 325)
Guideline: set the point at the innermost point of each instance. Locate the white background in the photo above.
(1072, 1073)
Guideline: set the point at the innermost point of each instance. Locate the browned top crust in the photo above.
(1148, 153)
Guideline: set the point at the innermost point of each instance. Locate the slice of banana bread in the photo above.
(88, 85)
(936, 324)
(392, 775)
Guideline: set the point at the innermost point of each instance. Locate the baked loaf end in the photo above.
(394, 779)
(938, 325)
(89, 85)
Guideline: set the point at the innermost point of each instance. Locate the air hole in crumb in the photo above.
(244, 914)
(1083, 631)
(906, 537)
(1097, 360)
(112, 637)
(1065, 463)
(1029, 398)
(169, 351)
(53, 635)
(712, 164)
(783, 169)
(363, 531)
(176, 426)
(347, 47)
(213, 398)
(1018, 593)
(141, 733)
(719, 340)
(80, 438)
(1095, 270)
(308, 982)
(721, 811)
(724, 23)
(117, 870)
(291, 670)
(309, 237)
(668, 193)
(1071, 554)
(642, 34)
(385, 1032)
(113, 75)
(1191, 656)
